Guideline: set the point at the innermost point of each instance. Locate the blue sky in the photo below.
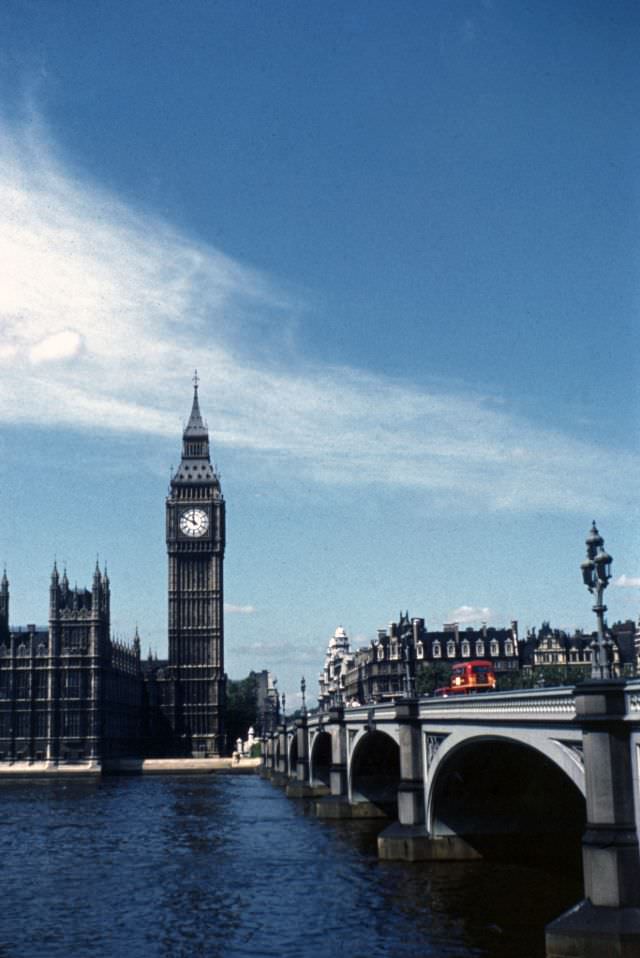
(399, 241)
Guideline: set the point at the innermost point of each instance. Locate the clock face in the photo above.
(194, 522)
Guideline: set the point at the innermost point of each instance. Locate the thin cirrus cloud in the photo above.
(239, 609)
(627, 582)
(105, 310)
(468, 614)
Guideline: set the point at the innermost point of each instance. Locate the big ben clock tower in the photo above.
(195, 545)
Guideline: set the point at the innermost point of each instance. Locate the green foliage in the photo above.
(436, 675)
(242, 708)
(542, 676)
(512, 681)
(433, 676)
(547, 675)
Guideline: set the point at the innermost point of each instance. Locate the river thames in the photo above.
(228, 866)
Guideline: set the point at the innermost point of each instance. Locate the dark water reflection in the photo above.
(227, 866)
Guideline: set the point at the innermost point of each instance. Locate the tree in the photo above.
(541, 676)
(242, 707)
(435, 675)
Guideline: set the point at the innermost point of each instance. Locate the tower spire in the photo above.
(195, 424)
(195, 438)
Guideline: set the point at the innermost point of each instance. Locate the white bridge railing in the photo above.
(557, 703)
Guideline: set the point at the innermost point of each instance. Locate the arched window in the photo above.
(508, 647)
(466, 649)
(495, 648)
(419, 650)
(22, 649)
(451, 649)
(380, 652)
(436, 650)
(393, 651)
(479, 647)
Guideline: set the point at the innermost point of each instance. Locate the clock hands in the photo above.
(194, 522)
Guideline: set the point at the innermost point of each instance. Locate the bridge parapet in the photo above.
(556, 703)
(633, 700)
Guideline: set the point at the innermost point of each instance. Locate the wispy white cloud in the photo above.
(63, 345)
(627, 582)
(467, 614)
(105, 310)
(239, 609)
(279, 652)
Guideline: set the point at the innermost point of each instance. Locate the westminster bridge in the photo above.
(460, 777)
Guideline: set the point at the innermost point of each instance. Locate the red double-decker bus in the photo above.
(468, 677)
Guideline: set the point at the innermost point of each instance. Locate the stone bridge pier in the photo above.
(300, 775)
(606, 924)
(336, 803)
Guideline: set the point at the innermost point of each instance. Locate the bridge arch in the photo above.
(374, 770)
(495, 790)
(320, 759)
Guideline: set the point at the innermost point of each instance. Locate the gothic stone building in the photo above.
(71, 693)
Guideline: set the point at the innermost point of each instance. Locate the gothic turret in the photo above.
(54, 589)
(105, 605)
(96, 588)
(4, 607)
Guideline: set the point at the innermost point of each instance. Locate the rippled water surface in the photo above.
(228, 866)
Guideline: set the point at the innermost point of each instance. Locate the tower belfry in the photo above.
(195, 531)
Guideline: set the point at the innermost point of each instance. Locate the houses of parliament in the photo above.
(72, 694)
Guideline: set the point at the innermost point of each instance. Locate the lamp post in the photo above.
(596, 572)
(409, 677)
(303, 689)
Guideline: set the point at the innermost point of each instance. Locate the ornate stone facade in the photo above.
(70, 693)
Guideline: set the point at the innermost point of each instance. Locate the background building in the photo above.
(390, 664)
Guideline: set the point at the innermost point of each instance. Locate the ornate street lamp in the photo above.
(303, 689)
(596, 572)
(409, 677)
